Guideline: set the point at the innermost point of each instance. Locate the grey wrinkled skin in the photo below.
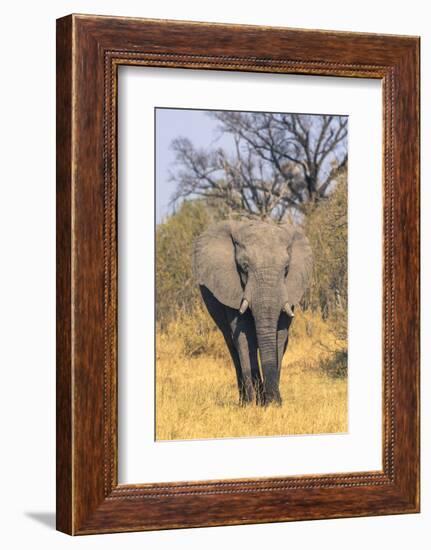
(262, 269)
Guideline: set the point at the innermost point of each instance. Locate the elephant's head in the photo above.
(258, 265)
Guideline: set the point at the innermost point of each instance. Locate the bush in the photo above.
(176, 290)
(336, 365)
(326, 227)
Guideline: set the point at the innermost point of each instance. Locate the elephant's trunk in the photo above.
(266, 312)
(267, 342)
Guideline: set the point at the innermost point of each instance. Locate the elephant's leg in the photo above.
(238, 362)
(219, 314)
(254, 362)
(244, 340)
(238, 369)
(282, 339)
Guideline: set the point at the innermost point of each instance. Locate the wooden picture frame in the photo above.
(89, 52)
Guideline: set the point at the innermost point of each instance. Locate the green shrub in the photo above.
(326, 228)
(176, 289)
(336, 365)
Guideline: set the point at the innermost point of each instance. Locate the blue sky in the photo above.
(171, 123)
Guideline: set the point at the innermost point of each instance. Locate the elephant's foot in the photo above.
(272, 402)
(258, 391)
(245, 399)
(272, 398)
(246, 394)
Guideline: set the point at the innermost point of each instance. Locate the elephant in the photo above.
(251, 275)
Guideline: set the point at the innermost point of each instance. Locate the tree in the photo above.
(326, 228)
(280, 163)
(176, 289)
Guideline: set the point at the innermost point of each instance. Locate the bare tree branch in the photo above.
(278, 162)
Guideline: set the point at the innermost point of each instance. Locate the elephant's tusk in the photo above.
(244, 306)
(288, 310)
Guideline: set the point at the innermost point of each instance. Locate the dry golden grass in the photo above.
(197, 397)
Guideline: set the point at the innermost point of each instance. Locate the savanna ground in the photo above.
(197, 396)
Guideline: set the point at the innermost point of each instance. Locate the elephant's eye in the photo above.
(286, 270)
(244, 267)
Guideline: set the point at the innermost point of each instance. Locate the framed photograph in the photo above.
(237, 274)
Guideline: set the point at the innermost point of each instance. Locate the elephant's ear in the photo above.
(214, 264)
(300, 266)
